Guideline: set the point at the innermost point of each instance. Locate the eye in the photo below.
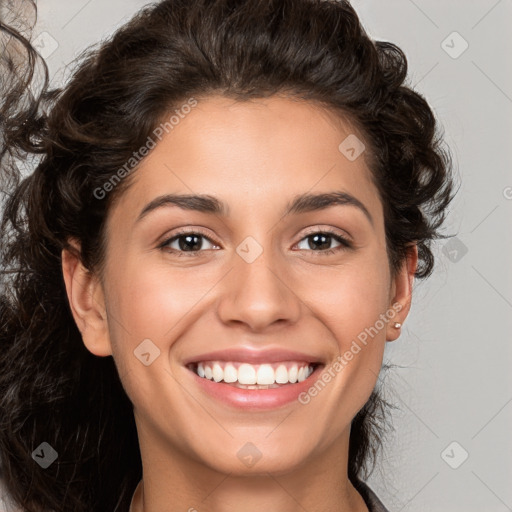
(190, 242)
(320, 242)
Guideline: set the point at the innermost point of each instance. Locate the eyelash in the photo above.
(345, 244)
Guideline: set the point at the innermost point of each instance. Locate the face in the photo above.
(254, 282)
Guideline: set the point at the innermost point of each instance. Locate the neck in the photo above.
(177, 482)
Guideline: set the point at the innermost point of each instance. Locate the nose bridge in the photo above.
(256, 292)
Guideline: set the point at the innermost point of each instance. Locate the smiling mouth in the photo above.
(254, 376)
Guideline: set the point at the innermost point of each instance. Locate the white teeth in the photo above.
(265, 375)
(218, 373)
(230, 373)
(250, 376)
(246, 374)
(281, 374)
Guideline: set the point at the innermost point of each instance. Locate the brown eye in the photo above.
(188, 242)
(322, 242)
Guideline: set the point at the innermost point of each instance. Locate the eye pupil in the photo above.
(191, 242)
(320, 241)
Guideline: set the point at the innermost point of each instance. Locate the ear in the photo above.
(401, 292)
(86, 301)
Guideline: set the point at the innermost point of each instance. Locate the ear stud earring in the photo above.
(397, 325)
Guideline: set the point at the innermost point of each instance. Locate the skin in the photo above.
(254, 156)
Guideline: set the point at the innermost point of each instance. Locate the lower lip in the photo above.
(256, 399)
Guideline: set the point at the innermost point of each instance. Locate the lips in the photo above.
(254, 379)
(252, 356)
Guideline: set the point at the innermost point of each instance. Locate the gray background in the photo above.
(453, 383)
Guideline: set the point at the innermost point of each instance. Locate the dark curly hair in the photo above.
(77, 137)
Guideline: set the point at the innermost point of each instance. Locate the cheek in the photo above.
(349, 299)
(149, 302)
(154, 301)
(347, 304)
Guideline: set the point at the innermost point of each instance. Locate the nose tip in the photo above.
(256, 295)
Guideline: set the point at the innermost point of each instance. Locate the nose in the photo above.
(259, 295)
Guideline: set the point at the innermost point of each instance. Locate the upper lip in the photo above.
(253, 356)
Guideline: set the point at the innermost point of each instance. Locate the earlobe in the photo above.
(87, 302)
(402, 296)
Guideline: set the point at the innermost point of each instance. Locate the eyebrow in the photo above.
(199, 203)
(314, 202)
(300, 204)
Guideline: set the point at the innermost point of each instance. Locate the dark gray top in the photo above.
(370, 498)
(372, 501)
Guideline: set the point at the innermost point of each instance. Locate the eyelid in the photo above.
(328, 230)
(187, 231)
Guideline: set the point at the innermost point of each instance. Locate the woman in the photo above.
(231, 199)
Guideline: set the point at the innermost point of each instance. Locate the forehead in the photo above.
(264, 151)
